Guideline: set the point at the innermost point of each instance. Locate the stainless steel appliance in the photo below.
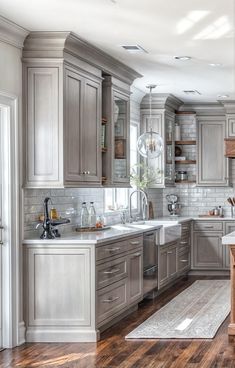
(150, 262)
(173, 204)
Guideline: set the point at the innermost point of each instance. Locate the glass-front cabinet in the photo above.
(116, 112)
(162, 122)
(169, 148)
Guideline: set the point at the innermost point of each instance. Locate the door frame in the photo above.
(11, 202)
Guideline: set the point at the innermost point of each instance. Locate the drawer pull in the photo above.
(135, 242)
(115, 270)
(169, 252)
(183, 242)
(112, 249)
(209, 227)
(111, 300)
(136, 255)
(184, 228)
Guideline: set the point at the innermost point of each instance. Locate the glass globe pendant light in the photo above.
(150, 144)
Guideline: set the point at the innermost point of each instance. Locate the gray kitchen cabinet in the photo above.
(62, 99)
(212, 164)
(167, 263)
(163, 122)
(116, 156)
(207, 250)
(62, 127)
(230, 120)
(82, 129)
(135, 291)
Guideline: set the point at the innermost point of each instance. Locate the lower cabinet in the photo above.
(168, 265)
(135, 291)
(71, 290)
(207, 250)
(119, 278)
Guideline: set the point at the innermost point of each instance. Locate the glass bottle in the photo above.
(84, 215)
(92, 215)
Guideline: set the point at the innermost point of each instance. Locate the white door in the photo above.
(1, 240)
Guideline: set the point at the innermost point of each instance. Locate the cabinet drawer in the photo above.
(111, 300)
(110, 272)
(110, 250)
(208, 225)
(134, 243)
(183, 261)
(116, 248)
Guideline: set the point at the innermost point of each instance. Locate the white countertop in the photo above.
(96, 237)
(229, 239)
(116, 232)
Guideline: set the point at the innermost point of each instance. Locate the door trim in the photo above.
(12, 324)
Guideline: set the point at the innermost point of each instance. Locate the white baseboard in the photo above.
(38, 334)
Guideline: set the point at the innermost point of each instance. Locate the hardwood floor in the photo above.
(114, 351)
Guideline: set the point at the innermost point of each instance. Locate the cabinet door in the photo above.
(157, 164)
(74, 95)
(230, 119)
(170, 149)
(121, 143)
(207, 250)
(43, 128)
(212, 165)
(172, 262)
(82, 129)
(162, 267)
(135, 277)
(91, 132)
(58, 287)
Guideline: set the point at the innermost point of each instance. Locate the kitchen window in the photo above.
(117, 199)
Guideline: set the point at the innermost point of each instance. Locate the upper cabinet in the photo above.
(162, 121)
(62, 94)
(212, 164)
(116, 110)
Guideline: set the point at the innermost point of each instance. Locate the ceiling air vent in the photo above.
(133, 48)
(192, 92)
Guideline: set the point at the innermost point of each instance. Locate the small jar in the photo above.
(182, 175)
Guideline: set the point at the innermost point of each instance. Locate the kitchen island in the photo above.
(229, 240)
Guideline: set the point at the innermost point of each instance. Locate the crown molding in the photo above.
(229, 106)
(210, 108)
(11, 33)
(161, 101)
(68, 44)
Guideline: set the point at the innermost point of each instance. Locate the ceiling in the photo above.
(201, 29)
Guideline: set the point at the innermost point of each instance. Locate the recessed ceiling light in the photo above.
(182, 58)
(192, 92)
(223, 96)
(134, 48)
(215, 65)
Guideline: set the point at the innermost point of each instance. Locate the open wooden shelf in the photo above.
(185, 162)
(185, 181)
(186, 143)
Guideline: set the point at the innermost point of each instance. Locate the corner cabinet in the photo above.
(212, 164)
(116, 110)
(63, 114)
